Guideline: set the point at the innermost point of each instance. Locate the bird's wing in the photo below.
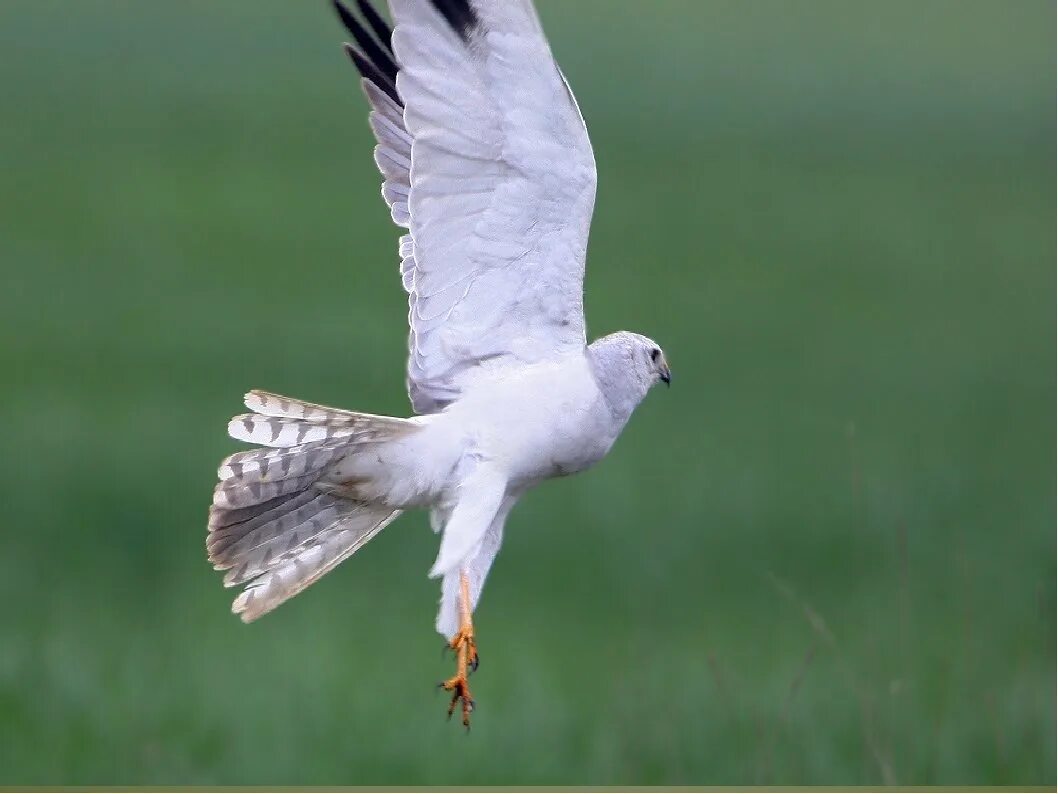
(486, 161)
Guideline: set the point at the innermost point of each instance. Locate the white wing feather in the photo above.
(494, 176)
(502, 191)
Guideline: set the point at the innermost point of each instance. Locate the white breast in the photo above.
(544, 421)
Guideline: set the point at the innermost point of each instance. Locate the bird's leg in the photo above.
(466, 656)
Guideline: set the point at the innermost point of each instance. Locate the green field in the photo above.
(826, 556)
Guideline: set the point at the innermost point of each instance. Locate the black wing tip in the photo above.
(374, 20)
(371, 60)
(374, 60)
(378, 55)
(345, 15)
(371, 74)
(383, 32)
(460, 15)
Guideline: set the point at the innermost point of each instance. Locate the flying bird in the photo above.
(487, 166)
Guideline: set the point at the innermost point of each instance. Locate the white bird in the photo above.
(487, 164)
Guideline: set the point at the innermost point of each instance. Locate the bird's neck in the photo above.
(613, 370)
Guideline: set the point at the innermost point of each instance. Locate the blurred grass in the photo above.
(826, 556)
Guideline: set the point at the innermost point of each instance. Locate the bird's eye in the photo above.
(654, 355)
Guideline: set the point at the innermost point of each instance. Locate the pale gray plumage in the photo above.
(270, 524)
(487, 165)
(291, 574)
(257, 549)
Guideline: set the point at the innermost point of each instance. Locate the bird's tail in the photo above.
(277, 524)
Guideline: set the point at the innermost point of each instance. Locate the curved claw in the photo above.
(457, 685)
(466, 652)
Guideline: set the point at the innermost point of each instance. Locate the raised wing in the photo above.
(487, 162)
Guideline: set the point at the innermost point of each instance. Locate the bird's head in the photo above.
(660, 367)
(647, 359)
(627, 365)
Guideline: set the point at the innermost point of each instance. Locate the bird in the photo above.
(488, 170)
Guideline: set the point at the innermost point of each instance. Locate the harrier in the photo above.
(488, 167)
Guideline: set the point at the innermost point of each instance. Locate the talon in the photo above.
(466, 653)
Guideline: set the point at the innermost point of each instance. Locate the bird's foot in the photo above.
(460, 690)
(464, 638)
(466, 662)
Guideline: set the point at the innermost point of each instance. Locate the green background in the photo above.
(825, 556)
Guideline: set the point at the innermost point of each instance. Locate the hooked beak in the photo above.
(663, 371)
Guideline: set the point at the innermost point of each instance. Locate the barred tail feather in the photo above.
(275, 405)
(249, 492)
(279, 464)
(272, 431)
(294, 574)
(277, 532)
(277, 524)
(223, 518)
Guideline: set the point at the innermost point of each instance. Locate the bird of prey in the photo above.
(488, 168)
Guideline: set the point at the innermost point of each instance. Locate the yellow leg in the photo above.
(466, 656)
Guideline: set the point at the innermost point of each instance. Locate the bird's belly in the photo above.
(546, 421)
(574, 460)
(554, 441)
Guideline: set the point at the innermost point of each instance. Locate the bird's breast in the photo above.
(550, 427)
